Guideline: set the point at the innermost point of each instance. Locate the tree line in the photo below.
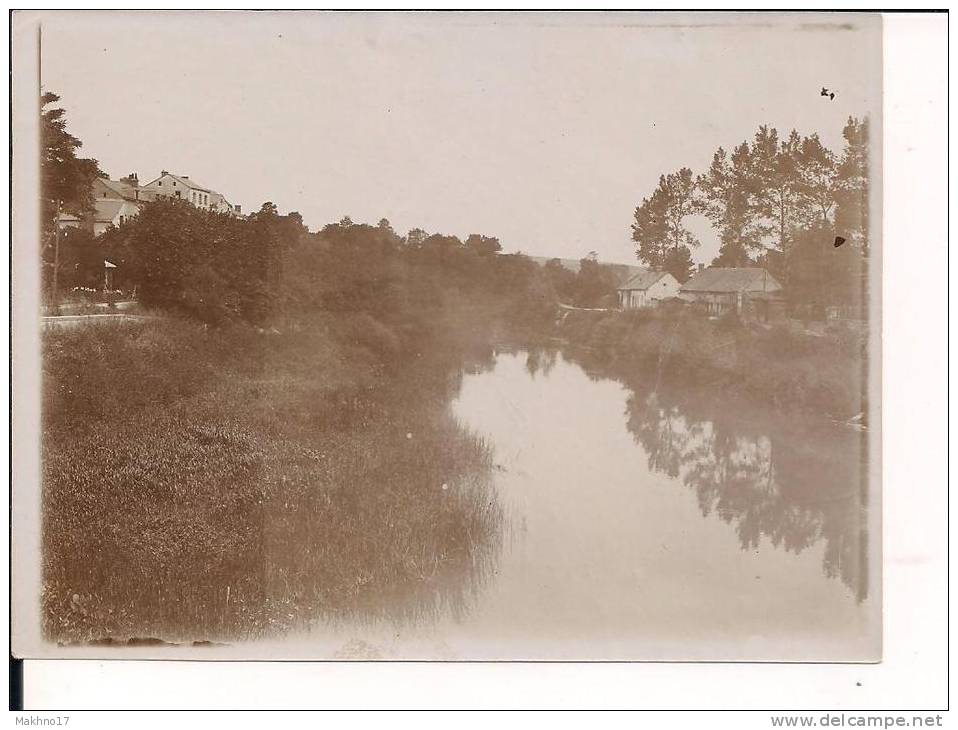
(774, 201)
(269, 267)
(218, 267)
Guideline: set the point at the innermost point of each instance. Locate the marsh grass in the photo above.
(205, 484)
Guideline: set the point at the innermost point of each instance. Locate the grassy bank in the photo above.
(792, 370)
(216, 484)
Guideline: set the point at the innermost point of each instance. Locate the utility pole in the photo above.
(56, 258)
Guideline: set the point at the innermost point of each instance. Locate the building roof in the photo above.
(641, 280)
(727, 280)
(192, 184)
(122, 189)
(107, 209)
(184, 181)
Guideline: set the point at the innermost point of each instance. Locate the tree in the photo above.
(483, 245)
(659, 228)
(729, 204)
(649, 229)
(678, 262)
(385, 226)
(592, 282)
(66, 182)
(415, 238)
(81, 259)
(731, 254)
(560, 278)
(681, 201)
(773, 181)
(852, 185)
(296, 221)
(440, 245)
(816, 181)
(266, 210)
(64, 177)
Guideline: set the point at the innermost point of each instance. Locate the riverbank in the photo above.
(208, 483)
(221, 484)
(791, 370)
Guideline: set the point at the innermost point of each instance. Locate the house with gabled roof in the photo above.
(111, 212)
(182, 187)
(751, 292)
(168, 185)
(645, 288)
(114, 202)
(127, 188)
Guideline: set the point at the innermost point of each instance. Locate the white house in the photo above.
(646, 288)
(114, 202)
(112, 212)
(168, 185)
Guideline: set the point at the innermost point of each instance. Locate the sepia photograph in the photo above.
(464, 336)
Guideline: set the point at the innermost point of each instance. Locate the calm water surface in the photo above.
(649, 521)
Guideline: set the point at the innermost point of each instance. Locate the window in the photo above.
(174, 183)
(177, 193)
(160, 183)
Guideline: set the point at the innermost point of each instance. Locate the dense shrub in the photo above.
(100, 373)
(788, 368)
(210, 266)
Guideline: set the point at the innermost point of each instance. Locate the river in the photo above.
(648, 521)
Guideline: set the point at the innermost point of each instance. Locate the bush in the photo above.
(790, 369)
(210, 266)
(366, 331)
(95, 373)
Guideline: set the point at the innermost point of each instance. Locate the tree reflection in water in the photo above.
(794, 481)
(541, 360)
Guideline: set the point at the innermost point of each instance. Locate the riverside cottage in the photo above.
(751, 292)
(646, 288)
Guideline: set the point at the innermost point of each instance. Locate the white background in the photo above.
(914, 672)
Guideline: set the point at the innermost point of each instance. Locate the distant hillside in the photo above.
(624, 271)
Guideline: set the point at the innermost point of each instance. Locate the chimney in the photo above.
(164, 172)
(701, 268)
(238, 209)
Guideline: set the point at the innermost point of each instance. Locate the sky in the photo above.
(545, 130)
